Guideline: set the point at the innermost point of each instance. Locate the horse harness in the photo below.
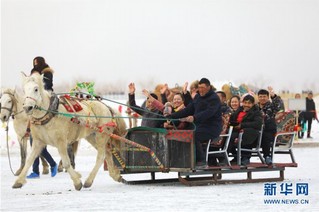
(51, 112)
(71, 105)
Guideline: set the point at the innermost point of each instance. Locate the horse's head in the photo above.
(33, 91)
(7, 101)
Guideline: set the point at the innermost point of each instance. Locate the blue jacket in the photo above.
(207, 114)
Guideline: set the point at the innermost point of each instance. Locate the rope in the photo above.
(119, 103)
(119, 159)
(95, 116)
(8, 152)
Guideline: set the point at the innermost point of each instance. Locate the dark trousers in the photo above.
(47, 157)
(309, 121)
(267, 140)
(246, 144)
(201, 138)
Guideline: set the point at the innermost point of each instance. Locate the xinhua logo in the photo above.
(286, 193)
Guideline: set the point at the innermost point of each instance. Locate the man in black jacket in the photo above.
(249, 119)
(205, 113)
(310, 113)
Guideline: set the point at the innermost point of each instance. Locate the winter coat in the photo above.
(251, 123)
(310, 112)
(206, 112)
(150, 116)
(269, 111)
(47, 78)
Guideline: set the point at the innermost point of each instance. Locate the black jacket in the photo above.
(47, 77)
(207, 114)
(251, 123)
(310, 112)
(150, 118)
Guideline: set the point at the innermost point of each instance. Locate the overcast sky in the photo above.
(262, 42)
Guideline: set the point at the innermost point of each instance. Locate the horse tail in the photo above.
(119, 130)
(120, 125)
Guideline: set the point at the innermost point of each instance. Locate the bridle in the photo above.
(12, 104)
(29, 97)
(6, 108)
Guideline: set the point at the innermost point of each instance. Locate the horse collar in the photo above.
(53, 109)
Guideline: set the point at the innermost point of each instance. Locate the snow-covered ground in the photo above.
(58, 193)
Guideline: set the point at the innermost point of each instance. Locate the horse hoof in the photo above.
(123, 181)
(78, 187)
(119, 179)
(17, 185)
(87, 184)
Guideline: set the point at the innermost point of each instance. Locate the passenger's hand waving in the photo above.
(131, 88)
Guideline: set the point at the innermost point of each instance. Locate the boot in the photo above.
(308, 135)
(299, 134)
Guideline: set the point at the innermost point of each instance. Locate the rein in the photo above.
(8, 152)
(75, 115)
(29, 97)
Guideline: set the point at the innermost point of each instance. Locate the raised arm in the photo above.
(155, 103)
(132, 103)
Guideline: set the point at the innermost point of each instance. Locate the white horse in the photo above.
(59, 130)
(11, 105)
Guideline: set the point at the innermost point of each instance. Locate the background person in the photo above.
(41, 67)
(310, 113)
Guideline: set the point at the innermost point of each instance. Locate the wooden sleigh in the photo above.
(174, 152)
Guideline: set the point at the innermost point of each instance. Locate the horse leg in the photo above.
(23, 154)
(114, 172)
(60, 167)
(72, 149)
(45, 165)
(35, 152)
(75, 176)
(71, 155)
(103, 153)
(98, 163)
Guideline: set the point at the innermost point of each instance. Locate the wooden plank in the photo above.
(285, 164)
